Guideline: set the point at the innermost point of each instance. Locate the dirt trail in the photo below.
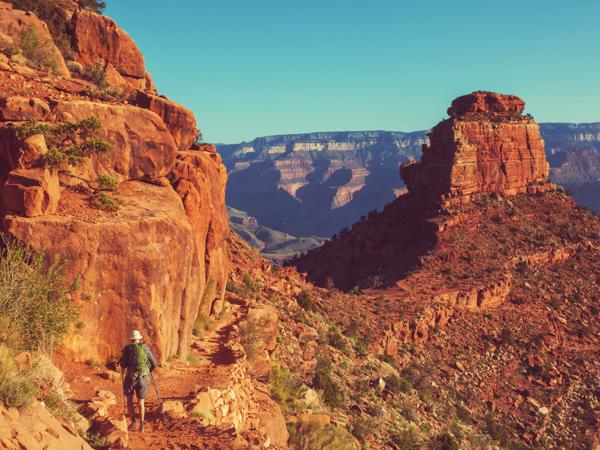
(212, 361)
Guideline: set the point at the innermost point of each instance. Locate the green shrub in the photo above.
(68, 143)
(56, 19)
(507, 337)
(306, 302)
(107, 183)
(105, 202)
(362, 429)
(250, 336)
(323, 381)
(95, 73)
(284, 388)
(315, 436)
(193, 359)
(97, 440)
(397, 384)
(360, 345)
(35, 311)
(97, 6)
(38, 53)
(336, 340)
(17, 389)
(59, 406)
(409, 438)
(444, 441)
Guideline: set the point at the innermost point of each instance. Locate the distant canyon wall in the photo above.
(318, 183)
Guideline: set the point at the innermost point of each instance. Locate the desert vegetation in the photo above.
(36, 313)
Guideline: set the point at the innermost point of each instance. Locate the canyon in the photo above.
(429, 294)
(342, 176)
(462, 314)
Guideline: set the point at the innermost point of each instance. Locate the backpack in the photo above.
(137, 366)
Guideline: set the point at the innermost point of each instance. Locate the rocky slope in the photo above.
(296, 171)
(448, 305)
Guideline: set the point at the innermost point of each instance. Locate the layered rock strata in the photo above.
(487, 145)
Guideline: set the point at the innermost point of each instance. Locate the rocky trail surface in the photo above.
(213, 361)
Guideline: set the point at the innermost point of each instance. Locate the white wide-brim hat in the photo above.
(135, 335)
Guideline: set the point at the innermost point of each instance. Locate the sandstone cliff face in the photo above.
(157, 260)
(99, 38)
(486, 146)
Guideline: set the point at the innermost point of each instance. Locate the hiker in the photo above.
(139, 361)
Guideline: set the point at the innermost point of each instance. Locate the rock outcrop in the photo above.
(98, 38)
(179, 120)
(15, 25)
(486, 146)
(34, 428)
(154, 257)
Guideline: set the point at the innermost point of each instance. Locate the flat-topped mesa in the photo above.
(487, 145)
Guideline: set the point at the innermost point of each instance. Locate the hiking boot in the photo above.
(132, 425)
(141, 427)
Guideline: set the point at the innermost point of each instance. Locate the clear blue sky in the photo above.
(254, 68)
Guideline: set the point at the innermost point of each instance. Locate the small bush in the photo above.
(17, 388)
(284, 389)
(193, 359)
(250, 336)
(409, 438)
(397, 384)
(105, 202)
(336, 340)
(323, 381)
(97, 440)
(38, 53)
(97, 6)
(360, 345)
(306, 302)
(506, 337)
(444, 441)
(314, 436)
(68, 143)
(362, 429)
(35, 310)
(107, 183)
(95, 73)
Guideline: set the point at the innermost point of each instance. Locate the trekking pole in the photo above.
(123, 395)
(159, 399)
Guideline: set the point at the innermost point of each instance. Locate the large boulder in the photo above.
(138, 268)
(23, 108)
(31, 192)
(179, 120)
(99, 38)
(15, 24)
(142, 145)
(35, 427)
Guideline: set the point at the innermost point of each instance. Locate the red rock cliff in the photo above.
(487, 145)
(160, 259)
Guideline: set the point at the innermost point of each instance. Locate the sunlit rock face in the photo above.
(487, 145)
